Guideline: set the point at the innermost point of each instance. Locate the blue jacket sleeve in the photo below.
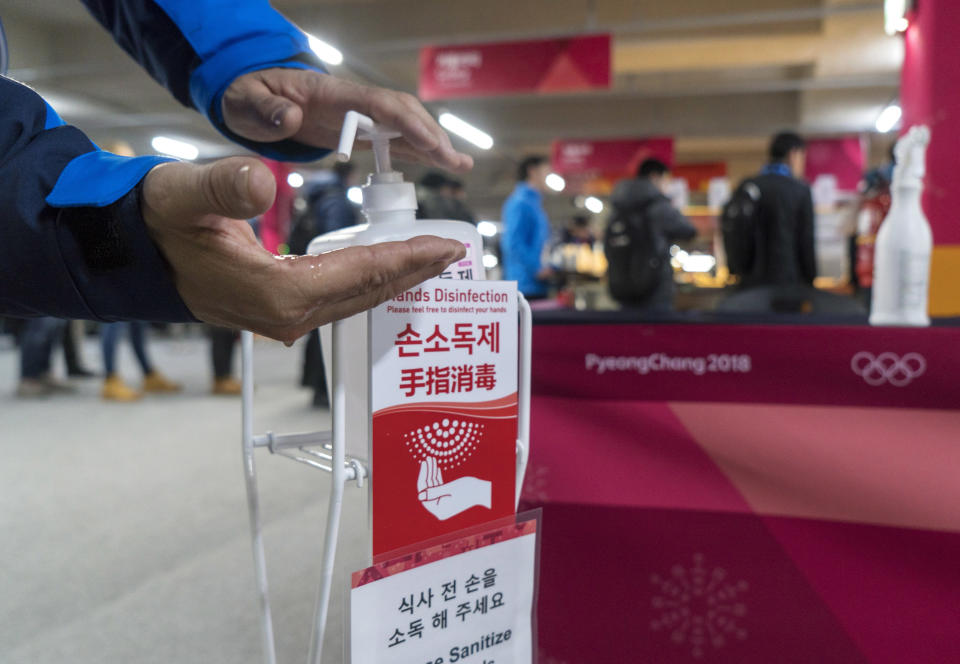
(196, 48)
(72, 239)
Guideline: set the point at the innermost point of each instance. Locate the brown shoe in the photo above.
(114, 389)
(228, 386)
(158, 383)
(33, 388)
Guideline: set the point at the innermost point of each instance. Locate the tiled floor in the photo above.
(123, 527)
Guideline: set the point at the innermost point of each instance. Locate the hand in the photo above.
(195, 216)
(447, 500)
(275, 104)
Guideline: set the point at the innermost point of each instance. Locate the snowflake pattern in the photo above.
(698, 608)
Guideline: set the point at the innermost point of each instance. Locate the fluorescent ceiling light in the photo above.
(175, 148)
(487, 228)
(355, 194)
(466, 131)
(895, 16)
(593, 204)
(556, 182)
(889, 118)
(295, 180)
(490, 261)
(329, 54)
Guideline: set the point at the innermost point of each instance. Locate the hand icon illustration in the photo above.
(447, 500)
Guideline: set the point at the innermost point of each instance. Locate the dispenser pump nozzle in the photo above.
(356, 125)
(386, 194)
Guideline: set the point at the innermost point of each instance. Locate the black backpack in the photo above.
(739, 222)
(634, 270)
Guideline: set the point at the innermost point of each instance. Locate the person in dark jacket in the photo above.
(435, 197)
(645, 195)
(92, 235)
(785, 253)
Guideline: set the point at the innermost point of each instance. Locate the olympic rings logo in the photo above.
(888, 368)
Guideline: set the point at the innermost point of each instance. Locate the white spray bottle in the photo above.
(389, 206)
(901, 272)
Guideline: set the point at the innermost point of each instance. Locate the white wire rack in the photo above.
(325, 450)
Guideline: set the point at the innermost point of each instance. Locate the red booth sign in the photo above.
(608, 158)
(537, 66)
(844, 158)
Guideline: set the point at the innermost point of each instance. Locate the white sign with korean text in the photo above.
(444, 401)
(473, 607)
(422, 338)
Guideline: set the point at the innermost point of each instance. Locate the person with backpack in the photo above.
(643, 226)
(768, 225)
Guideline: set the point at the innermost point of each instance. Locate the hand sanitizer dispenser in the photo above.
(389, 206)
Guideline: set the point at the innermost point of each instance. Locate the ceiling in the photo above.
(720, 77)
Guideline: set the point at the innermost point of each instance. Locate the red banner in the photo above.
(617, 158)
(843, 157)
(855, 366)
(752, 494)
(539, 66)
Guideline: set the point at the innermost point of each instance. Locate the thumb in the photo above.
(237, 187)
(252, 110)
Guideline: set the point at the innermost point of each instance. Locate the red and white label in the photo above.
(444, 401)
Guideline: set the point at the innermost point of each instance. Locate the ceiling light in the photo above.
(487, 228)
(490, 261)
(329, 54)
(466, 131)
(895, 16)
(593, 204)
(355, 194)
(889, 118)
(295, 180)
(556, 182)
(175, 148)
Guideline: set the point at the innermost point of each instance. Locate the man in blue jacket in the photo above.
(526, 229)
(88, 234)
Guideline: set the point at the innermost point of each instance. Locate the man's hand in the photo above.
(195, 215)
(275, 104)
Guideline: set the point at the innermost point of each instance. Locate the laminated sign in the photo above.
(468, 600)
(444, 401)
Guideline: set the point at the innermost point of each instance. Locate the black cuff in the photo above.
(117, 269)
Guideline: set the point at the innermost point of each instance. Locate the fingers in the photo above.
(237, 188)
(310, 107)
(341, 283)
(422, 477)
(402, 150)
(438, 476)
(255, 110)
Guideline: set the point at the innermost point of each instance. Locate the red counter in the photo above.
(750, 494)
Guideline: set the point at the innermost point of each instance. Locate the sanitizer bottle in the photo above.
(901, 273)
(389, 206)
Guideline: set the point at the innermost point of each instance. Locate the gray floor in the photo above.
(123, 527)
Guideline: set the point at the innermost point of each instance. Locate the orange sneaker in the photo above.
(158, 383)
(228, 386)
(114, 389)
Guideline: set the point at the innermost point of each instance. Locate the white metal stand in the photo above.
(325, 450)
